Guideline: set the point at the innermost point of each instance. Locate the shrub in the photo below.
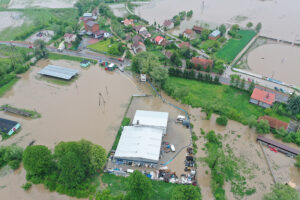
(222, 120)
(27, 186)
(14, 164)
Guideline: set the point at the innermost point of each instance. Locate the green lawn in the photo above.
(222, 99)
(54, 56)
(7, 86)
(118, 184)
(102, 46)
(234, 46)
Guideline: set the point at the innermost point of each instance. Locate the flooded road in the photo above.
(280, 61)
(69, 113)
(279, 18)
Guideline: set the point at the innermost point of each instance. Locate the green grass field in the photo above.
(7, 86)
(222, 98)
(54, 56)
(102, 46)
(117, 185)
(234, 46)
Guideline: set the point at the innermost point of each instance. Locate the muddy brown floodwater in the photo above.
(69, 113)
(279, 18)
(280, 61)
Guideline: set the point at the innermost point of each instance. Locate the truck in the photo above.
(172, 148)
(180, 119)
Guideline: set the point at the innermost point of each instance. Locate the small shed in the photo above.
(8, 127)
(143, 78)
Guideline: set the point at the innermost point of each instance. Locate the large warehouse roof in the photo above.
(58, 72)
(140, 144)
(151, 118)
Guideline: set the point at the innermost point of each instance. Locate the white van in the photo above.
(172, 148)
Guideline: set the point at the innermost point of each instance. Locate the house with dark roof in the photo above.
(145, 34)
(102, 34)
(197, 29)
(274, 123)
(262, 98)
(91, 26)
(168, 54)
(137, 38)
(168, 24)
(138, 47)
(205, 63)
(8, 127)
(69, 38)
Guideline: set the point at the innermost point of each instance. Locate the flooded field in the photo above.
(280, 61)
(10, 19)
(119, 10)
(242, 140)
(278, 17)
(42, 3)
(69, 113)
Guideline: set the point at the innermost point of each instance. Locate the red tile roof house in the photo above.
(158, 40)
(262, 98)
(128, 22)
(168, 24)
(138, 47)
(205, 63)
(189, 33)
(197, 29)
(184, 44)
(91, 26)
(274, 123)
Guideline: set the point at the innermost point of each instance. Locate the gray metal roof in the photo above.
(58, 72)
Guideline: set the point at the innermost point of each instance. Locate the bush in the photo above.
(14, 164)
(27, 186)
(222, 120)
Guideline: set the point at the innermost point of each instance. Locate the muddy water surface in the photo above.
(42, 3)
(279, 17)
(69, 113)
(280, 61)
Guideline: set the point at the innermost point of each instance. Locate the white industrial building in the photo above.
(140, 144)
(151, 119)
(142, 141)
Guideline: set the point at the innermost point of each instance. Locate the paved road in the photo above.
(83, 54)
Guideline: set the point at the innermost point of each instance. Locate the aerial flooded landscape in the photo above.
(144, 100)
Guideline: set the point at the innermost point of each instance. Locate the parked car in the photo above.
(276, 88)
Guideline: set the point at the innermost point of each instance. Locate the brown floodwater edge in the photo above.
(69, 113)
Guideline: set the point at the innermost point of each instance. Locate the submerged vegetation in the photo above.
(11, 155)
(224, 167)
(31, 113)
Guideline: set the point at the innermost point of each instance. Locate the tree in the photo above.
(69, 29)
(222, 120)
(222, 29)
(258, 27)
(71, 171)
(97, 157)
(40, 48)
(175, 59)
(252, 121)
(282, 192)
(297, 164)
(159, 75)
(263, 126)
(186, 192)
(242, 86)
(139, 186)
(294, 104)
(144, 62)
(204, 34)
(106, 195)
(189, 13)
(251, 87)
(249, 24)
(38, 162)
